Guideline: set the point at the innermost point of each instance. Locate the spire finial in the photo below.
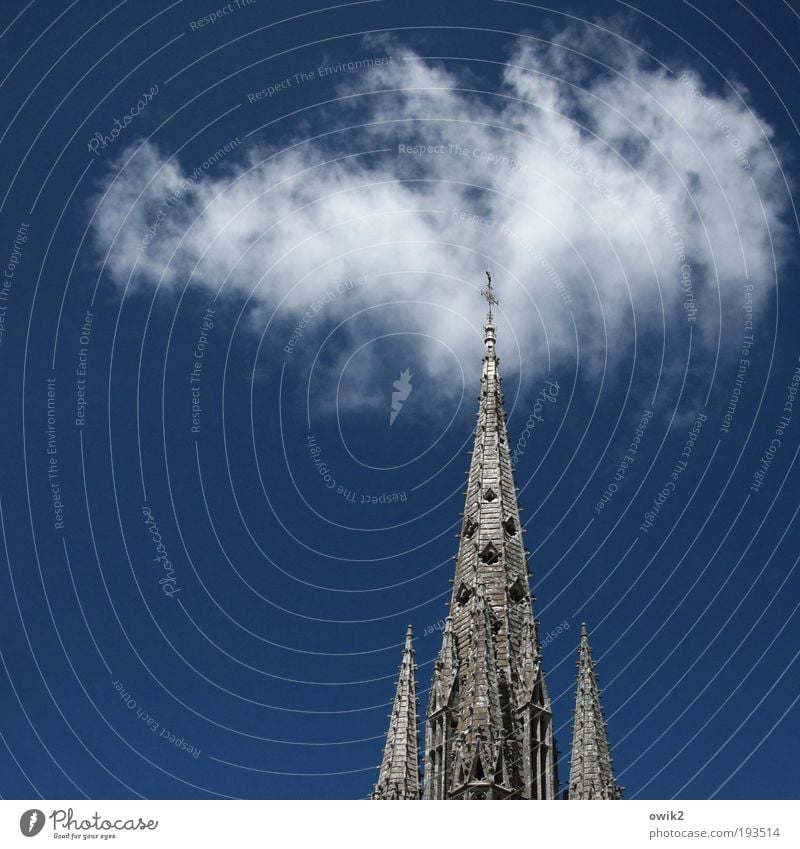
(488, 293)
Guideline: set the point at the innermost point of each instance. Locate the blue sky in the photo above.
(225, 240)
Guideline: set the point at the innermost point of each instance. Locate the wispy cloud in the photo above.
(608, 191)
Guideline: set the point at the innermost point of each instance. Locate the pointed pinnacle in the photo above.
(398, 776)
(591, 771)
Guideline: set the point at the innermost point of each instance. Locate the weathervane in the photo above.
(488, 293)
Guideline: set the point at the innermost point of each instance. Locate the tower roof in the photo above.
(399, 773)
(590, 772)
(491, 551)
(489, 673)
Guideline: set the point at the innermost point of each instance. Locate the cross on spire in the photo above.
(488, 293)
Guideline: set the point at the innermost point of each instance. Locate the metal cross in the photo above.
(488, 293)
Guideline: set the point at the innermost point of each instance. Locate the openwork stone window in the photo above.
(490, 553)
(516, 591)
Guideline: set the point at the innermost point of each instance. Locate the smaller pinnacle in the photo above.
(398, 777)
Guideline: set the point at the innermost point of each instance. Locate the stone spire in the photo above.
(590, 772)
(489, 729)
(399, 773)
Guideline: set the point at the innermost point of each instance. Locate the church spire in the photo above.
(399, 773)
(590, 772)
(489, 730)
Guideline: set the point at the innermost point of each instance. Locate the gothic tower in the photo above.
(590, 772)
(489, 731)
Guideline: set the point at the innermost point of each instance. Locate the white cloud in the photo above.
(581, 188)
